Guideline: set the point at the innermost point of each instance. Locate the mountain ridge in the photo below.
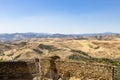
(29, 35)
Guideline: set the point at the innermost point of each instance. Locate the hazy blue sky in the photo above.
(59, 16)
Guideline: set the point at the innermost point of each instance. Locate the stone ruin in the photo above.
(55, 69)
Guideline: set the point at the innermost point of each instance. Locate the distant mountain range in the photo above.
(20, 36)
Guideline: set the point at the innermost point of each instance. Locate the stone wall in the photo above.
(55, 69)
(17, 70)
(84, 71)
(70, 70)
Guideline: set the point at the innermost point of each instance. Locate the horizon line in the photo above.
(60, 33)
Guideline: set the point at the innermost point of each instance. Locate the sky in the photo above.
(59, 16)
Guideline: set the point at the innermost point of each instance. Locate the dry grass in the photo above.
(95, 48)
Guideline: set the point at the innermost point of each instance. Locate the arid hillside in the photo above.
(65, 48)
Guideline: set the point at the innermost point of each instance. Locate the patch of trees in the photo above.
(38, 51)
(47, 47)
(85, 57)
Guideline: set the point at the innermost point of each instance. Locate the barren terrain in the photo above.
(44, 47)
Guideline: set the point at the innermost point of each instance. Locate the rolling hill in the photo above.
(63, 47)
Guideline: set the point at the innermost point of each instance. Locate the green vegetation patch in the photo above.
(47, 47)
(85, 57)
(38, 51)
(1, 60)
(16, 57)
(117, 73)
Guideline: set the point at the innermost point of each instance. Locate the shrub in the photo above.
(38, 51)
(92, 59)
(48, 47)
